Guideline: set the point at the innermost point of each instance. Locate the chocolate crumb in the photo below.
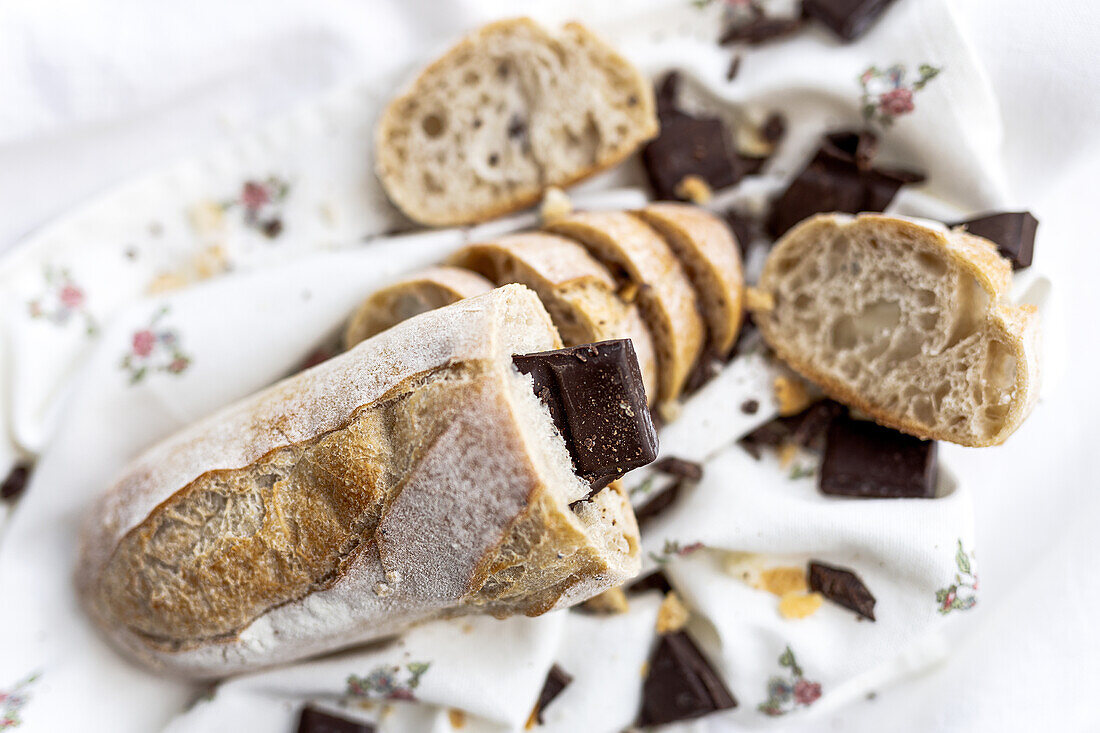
(493, 159)
(654, 581)
(680, 468)
(734, 67)
(774, 128)
(760, 29)
(750, 407)
(658, 503)
(272, 228)
(16, 482)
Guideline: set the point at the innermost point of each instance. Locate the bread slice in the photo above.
(423, 291)
(709, 253)
(508, 112)
(414, 477)
(577, 291)
(638, 255)
(907, 322)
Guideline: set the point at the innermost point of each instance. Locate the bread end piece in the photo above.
(907, 322)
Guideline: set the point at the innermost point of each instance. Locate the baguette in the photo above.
(507, 113)
(629, 247)
(426, 290)
(906, 322)
(414, 477)
(578, 292)
(711, 257)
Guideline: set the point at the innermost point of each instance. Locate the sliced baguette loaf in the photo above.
(508, 112)
(641, 259)
(577, 291)
(709, 253)
(907, 322)
(423, 291)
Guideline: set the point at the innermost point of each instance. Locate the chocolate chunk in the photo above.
(774, 127)
(734, 67)
(750, 407)
(16, 482)
(597, 400)
(313, 720)
(849, 19)
(680, 468)
(869, 461)
(658, 503)
(843, 587)
(834, 181)
(808, 428)
(760, 29)
(667, 94)
(690, 146)
(557, 679)
(654, 581)
(1012, 232)
(681, 684)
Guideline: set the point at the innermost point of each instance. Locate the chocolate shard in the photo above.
(681, 684)
(557, 679)
(597, 400)
(690, 146)
(760, 29)
(15, 482)
(680, 468)
(848, 19)
(842, 587)
(838, 178)
(654, 581)
(1012, 231)
(313, 720)
(866, 460)
(658, 503)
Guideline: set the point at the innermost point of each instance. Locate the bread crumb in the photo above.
(797, 604)
(787, 453)
(555, 204)
(759, 301)
(611, 601)
(206, 217)
(783, 580)
(628, 293)
(791, 395)
(457, 718)
(751, 141)
(669, 411)
(165, 282)
(672, 615)
(694, 189)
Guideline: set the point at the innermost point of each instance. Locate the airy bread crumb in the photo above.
(694, 189)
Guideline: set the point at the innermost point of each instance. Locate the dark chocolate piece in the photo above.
(774, 127)
(667, 94)
(750, 407)
(734, 67)
(557, 679)
(834, 181)
(760, 29)
(654, 581)
(680, 468)
(842, 587)
(866, 460)
(681, 684)
(16, 481)
(313, 720)
(272, 228)
(743, 228)
(808, 427)
(658, 503)
(849, 19)
(1012, 232)
(860, 145)
(597, 400)
(690, 146)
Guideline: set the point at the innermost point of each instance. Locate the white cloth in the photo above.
(154, 80)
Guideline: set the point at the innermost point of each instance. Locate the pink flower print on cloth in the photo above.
(888, 94)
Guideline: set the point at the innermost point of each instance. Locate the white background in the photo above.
(96, 92)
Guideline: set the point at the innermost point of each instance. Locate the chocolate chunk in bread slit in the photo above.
(598, 403)
(1012, 232)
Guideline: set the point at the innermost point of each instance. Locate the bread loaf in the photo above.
(507, 113)
(413, 477)
(578, 292)
(907, 322)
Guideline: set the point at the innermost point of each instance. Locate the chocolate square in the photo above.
(866, 460)
(313, 720)
(843, 587)
(849, 19)
(689, 146)
(681, 684)
(597, 401)
(1012, 232)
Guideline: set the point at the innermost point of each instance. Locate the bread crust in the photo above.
(430, 527)
(711, 257)
(520, 197)
(430, 288)
(978, 257)
(665, 295)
